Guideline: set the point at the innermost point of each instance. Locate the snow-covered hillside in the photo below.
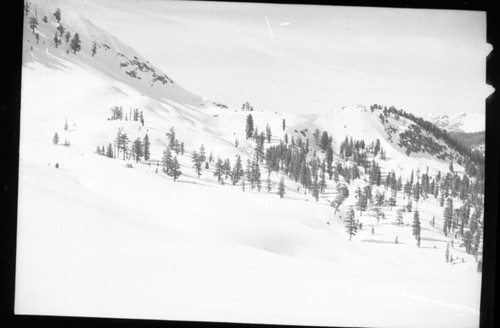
(111, 237)
(459, 122)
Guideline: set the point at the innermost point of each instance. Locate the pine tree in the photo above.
(56, 40)
(416, 225)
(33, 24)
(147, 146)
(57, 15)
(55, 140)
(249, 129)
(226, 168)
(281, 188)
(75, 43)
(448, 216)
(176, 172)
(109, 151)
(237, 170)
(66, 125)
(67, 36)
(61, 30)
(256, 174)
(351, 226)
(399, 217)
(94, 48)
(122, 142)
(284, 124)
(137, 149)
(268, 134)
(197, 163)
(467, 241)
(202, 154)
(219, 169)
(447, 253)
(167, 161)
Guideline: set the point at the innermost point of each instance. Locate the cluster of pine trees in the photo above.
(133, 115)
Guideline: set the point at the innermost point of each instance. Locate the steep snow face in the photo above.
(111, 57)
(460, 122)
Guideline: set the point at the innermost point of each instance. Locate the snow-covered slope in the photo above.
(459, 122)
(111, 57)
(106, 237)
(362, 123)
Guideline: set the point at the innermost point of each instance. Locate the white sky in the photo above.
(308, 59)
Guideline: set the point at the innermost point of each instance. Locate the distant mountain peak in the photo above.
(459, 122)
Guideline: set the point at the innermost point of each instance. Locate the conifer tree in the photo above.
(202, 154)
(147, 146)
(351, 225)
(55, 140)
(447, 253)
(197, 163)
(237, 170)
(94, 48)
(33, 24)
(57, 15)
(61, 30)
(67, 36)
(56, 40)
(167, 161)
(268, 134)
(281, 188)
(284, 124)
(468, 241)
(176, 172)
(448, 216)
(416, 225)
(137, 149)
(75, 43)
(399, 217)
(219, 169)
(249, 129)
(66, 125)
(109, 151)
(226, 168)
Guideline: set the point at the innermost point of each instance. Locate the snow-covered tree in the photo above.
(351, 225)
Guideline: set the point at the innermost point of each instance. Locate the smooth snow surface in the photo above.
(97, 238)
